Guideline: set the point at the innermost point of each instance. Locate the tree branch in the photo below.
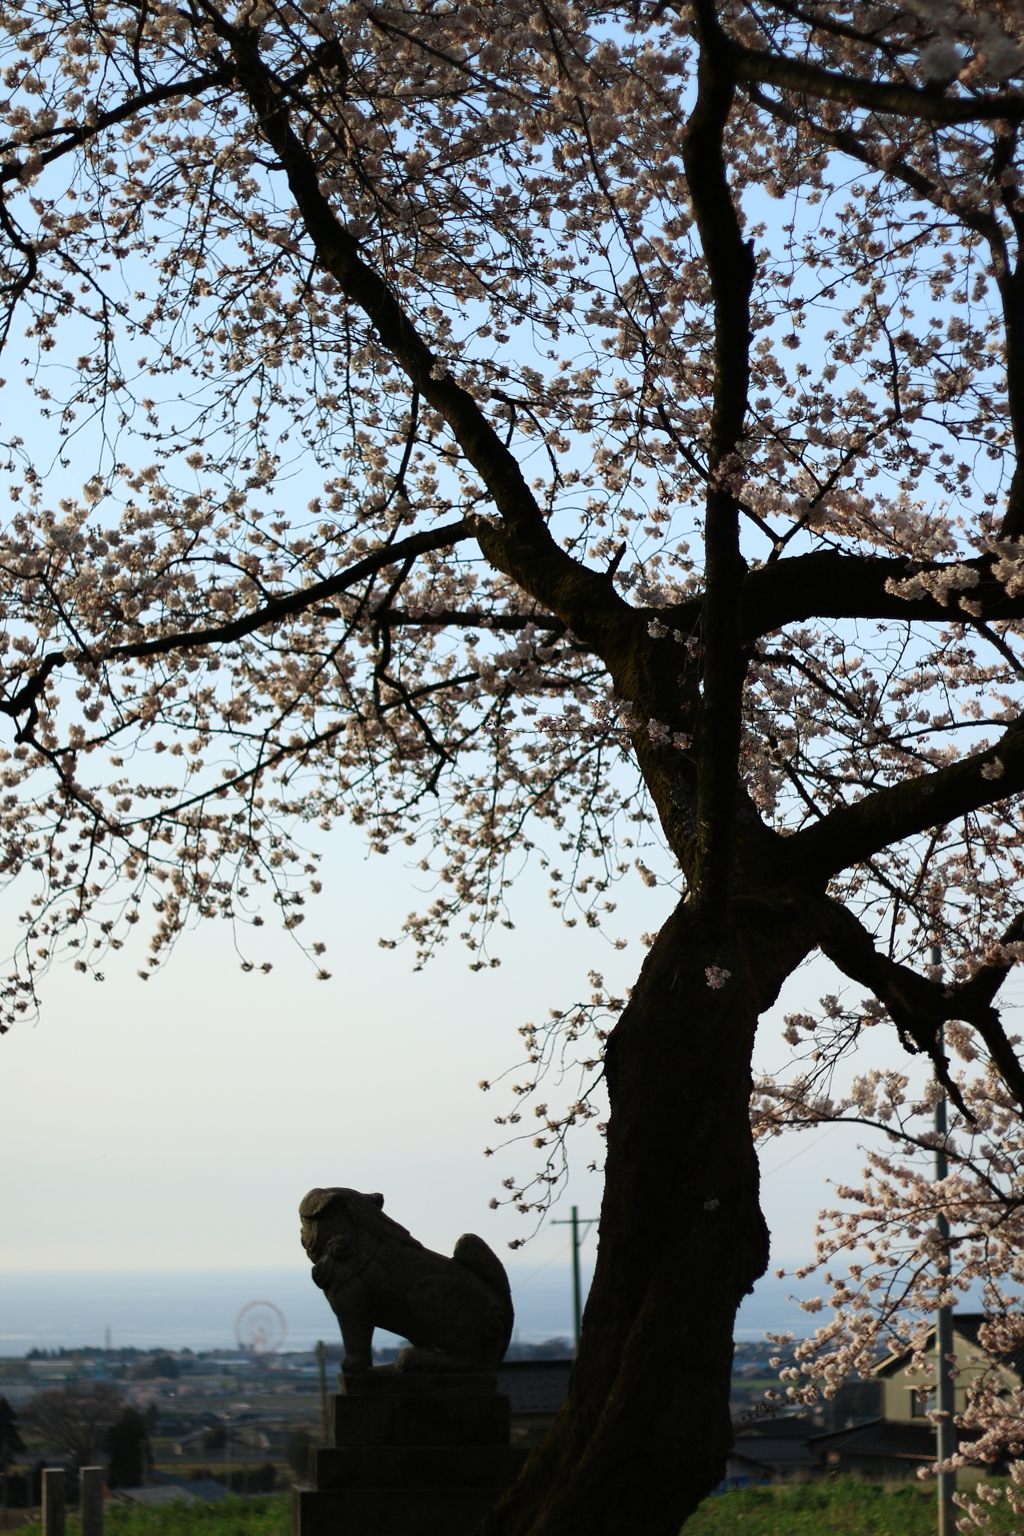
(917, 1007)
(851, 834)
(1009, 275)
(269, 613)
(977, 994)
(988, 978)
(925, 103)
(730, 265)
(522, 547)
(468, 619)
(74, 138)
(827, 584)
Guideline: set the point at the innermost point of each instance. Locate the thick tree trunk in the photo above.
(645, 1430)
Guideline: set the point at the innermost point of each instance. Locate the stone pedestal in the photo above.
(412, 1455)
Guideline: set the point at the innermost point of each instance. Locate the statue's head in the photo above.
(346, 1219)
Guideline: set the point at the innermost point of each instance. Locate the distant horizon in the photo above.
(193, 1307)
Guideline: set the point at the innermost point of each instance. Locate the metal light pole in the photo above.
(577, 1239)
(945, 1401)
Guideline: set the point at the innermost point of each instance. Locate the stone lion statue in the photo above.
(456, 1313)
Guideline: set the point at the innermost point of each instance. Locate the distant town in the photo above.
(169, 1424)
(172, 1419)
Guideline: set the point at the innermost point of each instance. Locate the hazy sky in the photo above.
(176, 1124)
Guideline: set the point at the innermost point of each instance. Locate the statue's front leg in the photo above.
(357, 1337)
(356, 1327)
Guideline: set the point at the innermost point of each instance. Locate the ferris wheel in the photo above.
(260, 1328)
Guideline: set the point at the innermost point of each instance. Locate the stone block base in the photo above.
(463, 1418)
(391, 1511)
(412, 1456)
(418, 1466)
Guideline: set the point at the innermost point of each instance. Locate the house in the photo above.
(535, 1389)
(772, 1450)
(903, 1437)
(908, 1394)
(880, 1449)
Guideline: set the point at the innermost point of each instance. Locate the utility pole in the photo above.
(321, 1360)
(945, 1433)
(577, 1238)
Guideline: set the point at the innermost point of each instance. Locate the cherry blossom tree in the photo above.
(534, 430)
(910, 1239)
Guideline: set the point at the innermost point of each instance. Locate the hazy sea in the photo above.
(196, 1309)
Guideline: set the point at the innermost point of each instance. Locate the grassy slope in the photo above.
(231, 1517)
(844, 1507)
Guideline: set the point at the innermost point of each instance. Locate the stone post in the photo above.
(53, 1501)
(90, 1500)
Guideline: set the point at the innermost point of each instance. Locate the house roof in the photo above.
(784, 1427)
(777, 1452)
(880, 1437)
(967, 1325)
(534, 1386)
(205, 1491)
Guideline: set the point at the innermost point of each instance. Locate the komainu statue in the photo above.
(456, 1313)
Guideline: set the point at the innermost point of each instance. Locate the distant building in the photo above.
(898, 1442)
(536, 1390)
(908, 1395)
(882, 1449)
(771, 1451)
(196, 1491)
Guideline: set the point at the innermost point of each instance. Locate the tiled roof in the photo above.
(534, 1386)
(881, 1437)
(778, 1451)
(784, 1427)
